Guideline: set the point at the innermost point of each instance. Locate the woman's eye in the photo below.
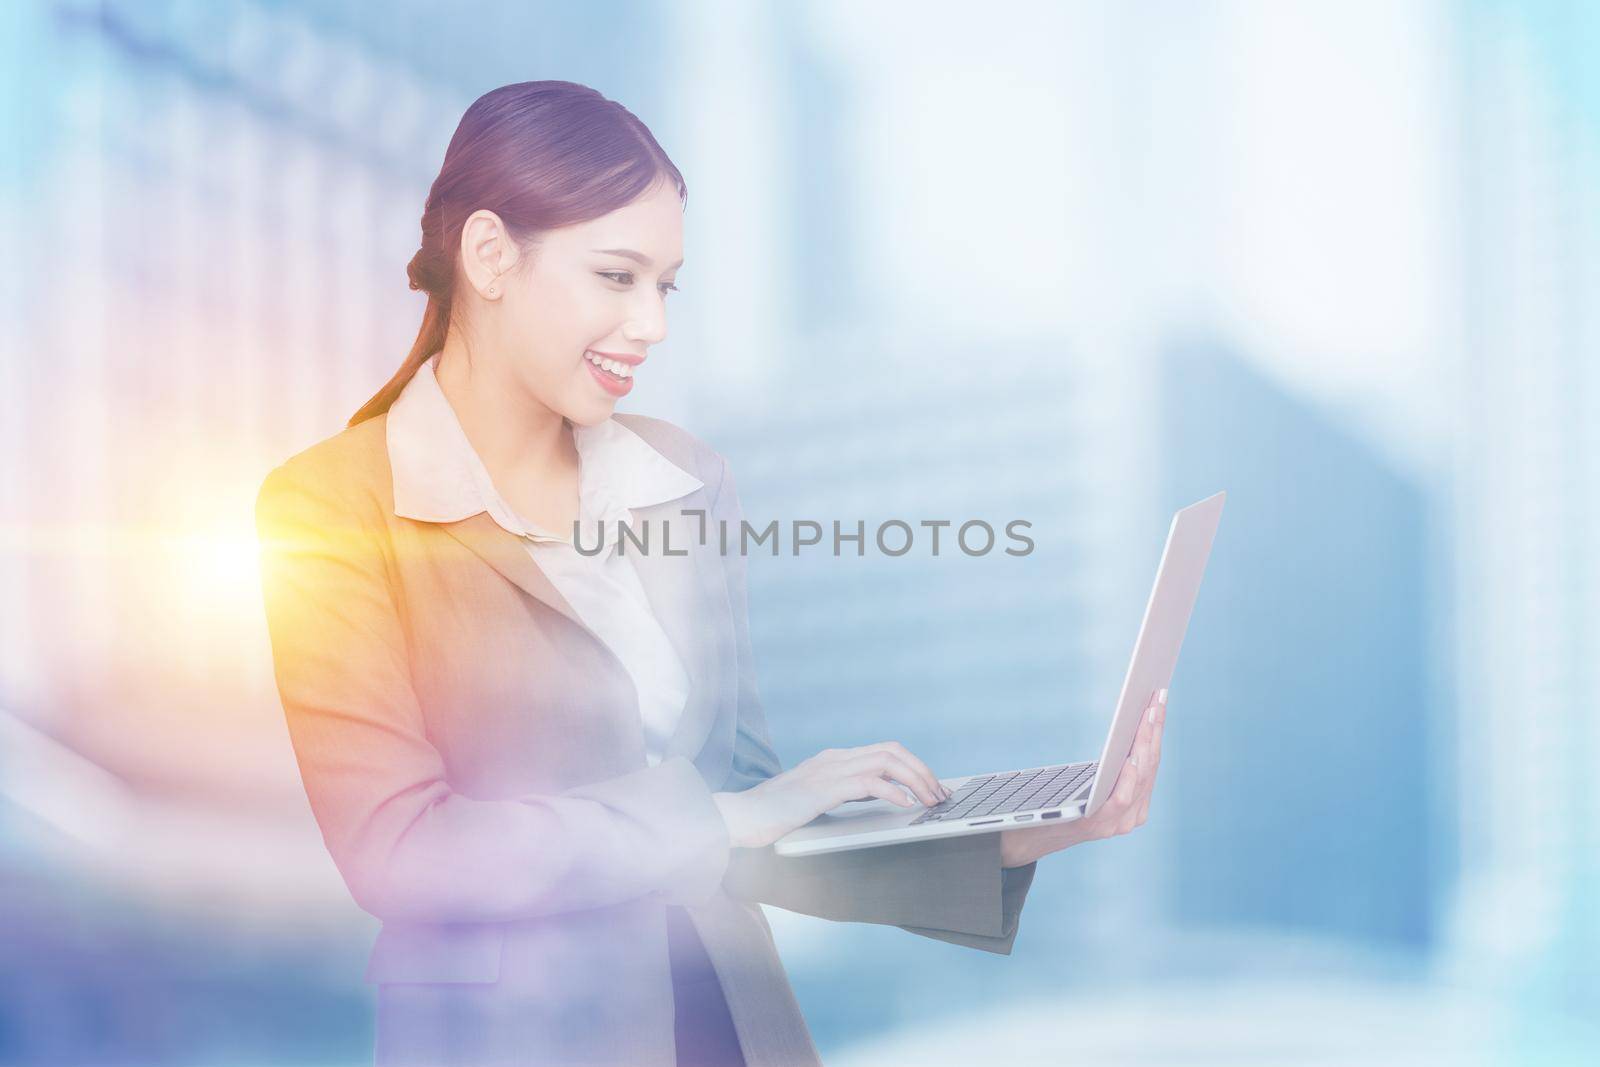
(622, 277)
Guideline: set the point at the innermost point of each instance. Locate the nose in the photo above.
(647, 323)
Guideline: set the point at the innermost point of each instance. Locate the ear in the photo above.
(487, 253)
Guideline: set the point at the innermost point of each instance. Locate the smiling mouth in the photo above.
(620, 371)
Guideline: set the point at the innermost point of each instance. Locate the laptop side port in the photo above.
(1021, 818)
(1051, 815)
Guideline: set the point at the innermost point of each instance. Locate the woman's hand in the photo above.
(760, 815)
(1124, 810)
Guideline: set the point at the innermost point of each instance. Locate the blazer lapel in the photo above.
(508, 555)
(674, 585)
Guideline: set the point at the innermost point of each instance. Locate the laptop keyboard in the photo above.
(1002, 794)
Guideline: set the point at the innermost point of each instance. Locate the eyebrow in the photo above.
(628, 253)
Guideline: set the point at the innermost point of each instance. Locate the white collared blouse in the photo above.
(439, 477)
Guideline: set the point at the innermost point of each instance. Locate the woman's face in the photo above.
(597, 289)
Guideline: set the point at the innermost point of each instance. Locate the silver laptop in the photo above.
(984, 803)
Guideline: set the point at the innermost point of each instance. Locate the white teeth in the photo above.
(621, 370)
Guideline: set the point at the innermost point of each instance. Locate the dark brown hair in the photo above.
(540, 155)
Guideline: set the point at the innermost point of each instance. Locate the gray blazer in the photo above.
(474, 757)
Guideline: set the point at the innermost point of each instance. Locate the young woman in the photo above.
(547, 770)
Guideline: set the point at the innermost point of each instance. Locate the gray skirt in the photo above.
(705, 1034)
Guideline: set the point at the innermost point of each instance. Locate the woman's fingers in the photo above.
(1129, 804)
(1136, 767)
(1136, 771)
(1145, 745)
(914, 774)
(882, 788)
(1150, 779)
(895, 748)
(1127, 782)
(885, 762)
(1150, 762)
(1144, 733)
(1126, 812)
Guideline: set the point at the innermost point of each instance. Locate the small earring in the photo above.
(492, 290)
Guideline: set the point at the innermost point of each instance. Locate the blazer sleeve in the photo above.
(951, 888)
(409, 847)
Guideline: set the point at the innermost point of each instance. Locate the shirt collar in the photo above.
(438, 477)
